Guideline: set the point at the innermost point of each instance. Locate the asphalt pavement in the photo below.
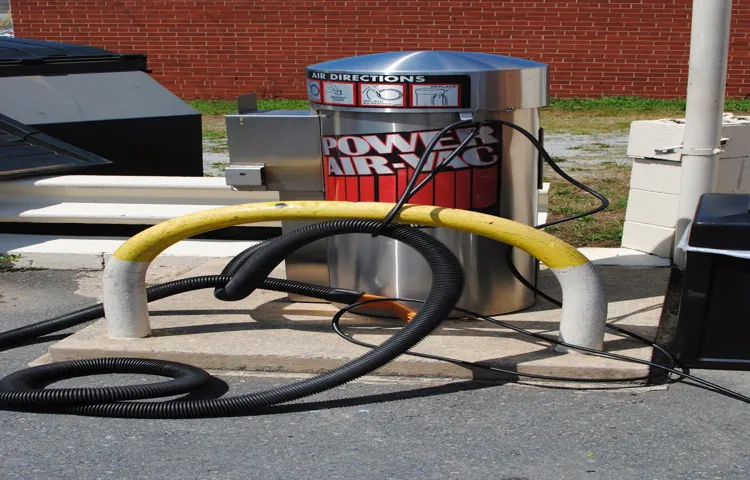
(378, 429)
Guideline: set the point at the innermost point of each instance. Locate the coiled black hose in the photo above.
(23, 390)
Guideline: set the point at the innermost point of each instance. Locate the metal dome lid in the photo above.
(415, 81)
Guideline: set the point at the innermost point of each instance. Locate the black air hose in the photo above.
(23, 390)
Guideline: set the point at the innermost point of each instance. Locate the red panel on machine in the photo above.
(402, 178)
(424, 196)
(367, 189)
(484, 181)
(377, 167)
(445, 189)
(463, 189)
(386, 189)
(352, 189)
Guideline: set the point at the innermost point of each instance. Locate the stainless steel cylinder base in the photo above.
(382, 266)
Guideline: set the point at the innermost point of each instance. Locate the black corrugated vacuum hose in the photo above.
(24, 390)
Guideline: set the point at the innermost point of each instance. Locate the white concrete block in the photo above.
(738, 138)
(729, 175)
(745, 177)
(648, 238)
(655, 176)
(652, 208)
(543, 195)
(648, 135)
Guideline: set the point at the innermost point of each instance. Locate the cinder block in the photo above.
(738, 138)
(543, 197)
(655, 176)
(652, 208)
(648, 238)
(745, 178)
(648, 135)
(730, 175)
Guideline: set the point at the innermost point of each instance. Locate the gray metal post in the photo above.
(709, 43)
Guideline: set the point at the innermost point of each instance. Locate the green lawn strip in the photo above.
(603, 229)
(576, 116)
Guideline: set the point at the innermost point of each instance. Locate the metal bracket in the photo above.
(480, 115)
(477, 116)
(668, 150)
(247, 103)
(246, 177)
(680, 150)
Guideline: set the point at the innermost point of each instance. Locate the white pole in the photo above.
(707, 73)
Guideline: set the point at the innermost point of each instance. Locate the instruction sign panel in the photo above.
(433, 95)
(382, 95)
(313, 90)
(339, 93)
(378, 90)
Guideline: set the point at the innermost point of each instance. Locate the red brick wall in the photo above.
(222, 48)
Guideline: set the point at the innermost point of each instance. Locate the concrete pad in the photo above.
(267, 333)
(623, 257)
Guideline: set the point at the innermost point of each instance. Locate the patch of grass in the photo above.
(220, 166)
(618, 103)
(8, 257)
(559, 159)
(213, 107)
(586, 122)
(643, 104)
(214, 135)
(281, 104)
(579, 116)
(214, 140)
(592, 147)
(620, 203)
(225, 107)
(215, 147)
(614, 165)
(603, 229)
(562, 210)
(598, 106)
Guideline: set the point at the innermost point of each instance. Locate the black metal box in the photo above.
(102, 102)
(713, 328)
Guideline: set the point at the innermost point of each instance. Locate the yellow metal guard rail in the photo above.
(583, 314)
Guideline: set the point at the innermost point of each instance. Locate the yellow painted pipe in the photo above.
(550, 250)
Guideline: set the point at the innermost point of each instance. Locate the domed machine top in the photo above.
(457, 81)
(370, 121)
